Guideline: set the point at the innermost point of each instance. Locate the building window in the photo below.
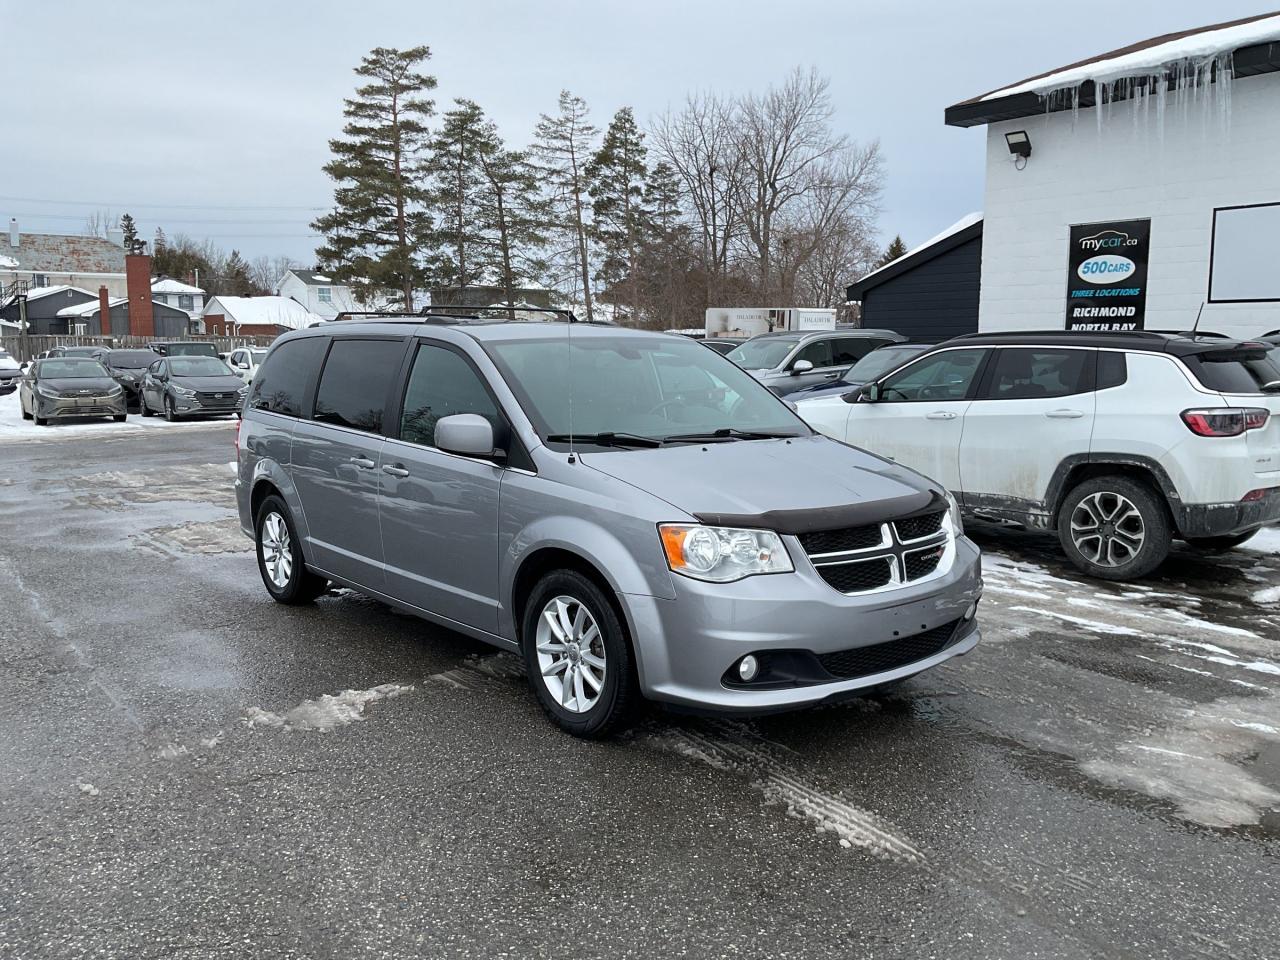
(185, 301)
(325, 294)
(160, 297)
(1242, 254)
(40, 280)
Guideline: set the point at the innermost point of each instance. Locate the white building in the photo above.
(175, 293)
(1135, 211)
(256, 316)
(318, 292)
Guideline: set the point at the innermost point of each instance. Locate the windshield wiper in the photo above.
(606, 439)
(727, 433)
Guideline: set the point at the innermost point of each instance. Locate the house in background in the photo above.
(175, 293)
(317, 292)
(31, 261)
(43, 306)
(256, 316)
(86, 319)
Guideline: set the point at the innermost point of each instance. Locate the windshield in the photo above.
(763, 353)
(648, 387)
(191, 350)
(131, 359)
(880, 361)
(71, 370)
(198, 367)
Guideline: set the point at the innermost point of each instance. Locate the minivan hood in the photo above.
(809, 483)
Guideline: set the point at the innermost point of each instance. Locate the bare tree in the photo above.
(99, 222)
(266, 271)
(564, 144)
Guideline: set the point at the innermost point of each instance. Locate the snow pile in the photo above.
(327, 712)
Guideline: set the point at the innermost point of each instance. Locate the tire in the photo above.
(1220, 544)
(574, 710)
(1133, 530)
(120, 417)
(170, 414)
(291, 584)
(25, 415)
(41, 421)
(144, 409)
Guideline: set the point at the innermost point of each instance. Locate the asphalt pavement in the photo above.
(189, 770)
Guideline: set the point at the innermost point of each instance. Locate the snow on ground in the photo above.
(326, 712)
(1265, 541)
(14, 429)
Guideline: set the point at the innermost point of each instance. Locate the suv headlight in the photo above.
(953, 506)
(722, 554)
(183, 391)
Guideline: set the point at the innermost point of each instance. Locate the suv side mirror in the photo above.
(466, 434)
(801, 366)
(867, 393)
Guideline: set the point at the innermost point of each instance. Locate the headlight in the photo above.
(954, 506)
(115, 391)
(721, 554)
(48, 392)
(183, 391)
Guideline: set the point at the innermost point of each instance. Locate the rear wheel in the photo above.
(577, 655)
(1220, 544)
(25, 414)
(1114, 528)
(280, 561)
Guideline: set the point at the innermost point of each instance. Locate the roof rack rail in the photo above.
(1151, 334)
(440, 314)
(510, 309)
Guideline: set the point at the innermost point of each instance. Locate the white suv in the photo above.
(1121, 442)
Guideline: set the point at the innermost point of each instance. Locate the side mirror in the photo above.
(466, 434)
(867, 393)
(801, 366)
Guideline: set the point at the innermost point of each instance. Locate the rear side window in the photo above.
(441, 384)
(847, 351)
(1029, 374)
(1113, 371)
(353, 386)
(818, 353)
(285, 380)
(1235, 376)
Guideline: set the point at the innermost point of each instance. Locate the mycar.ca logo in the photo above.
(1106, 266)
(1107, 240)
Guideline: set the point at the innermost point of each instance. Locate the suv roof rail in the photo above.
(441, 315)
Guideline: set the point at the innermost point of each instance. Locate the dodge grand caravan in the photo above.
(630, 512)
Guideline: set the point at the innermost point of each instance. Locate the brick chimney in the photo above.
(137, 277)
(104, 310)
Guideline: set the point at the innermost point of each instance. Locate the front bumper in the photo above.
(8, 385)
(1229, 519)
(686, 645)
(199, 406)
(50, 409)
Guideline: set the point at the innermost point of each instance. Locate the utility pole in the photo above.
(23, 335)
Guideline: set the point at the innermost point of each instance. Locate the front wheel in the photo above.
(120, 417)
(1114, 528)
(144, 409)
(577, 655)
(170, 414)
(1220, 544)
(280, 562)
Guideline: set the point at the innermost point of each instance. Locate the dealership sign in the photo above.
(1107, 275)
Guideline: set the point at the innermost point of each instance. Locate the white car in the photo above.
(244, 361)
(1121, 442)
(10, 373)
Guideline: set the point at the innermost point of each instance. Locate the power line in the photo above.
(162, 206)
(67, 216)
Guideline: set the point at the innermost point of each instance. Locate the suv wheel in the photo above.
(1219, 544)
(284, 572)
(1114, 528)
(577, 655)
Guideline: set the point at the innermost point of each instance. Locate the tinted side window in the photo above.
(1113, 371)
(284, 382)
(441, 384)
(353, 385)
(849, 350)
(1027, 374)
(817, 352)
(943, 376)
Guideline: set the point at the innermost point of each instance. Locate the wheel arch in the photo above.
(1073, 471)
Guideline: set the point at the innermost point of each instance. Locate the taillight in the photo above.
(1225, 421)
(1253, 496)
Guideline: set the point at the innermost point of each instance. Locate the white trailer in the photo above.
(751, 321)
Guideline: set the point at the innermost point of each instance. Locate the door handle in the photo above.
(395, 470)
(940, 415)
(1065, 414)
(364, 463)
(830, 376)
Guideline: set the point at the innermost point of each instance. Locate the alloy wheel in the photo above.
(277, 550)
(571, 654)
(1107, 529)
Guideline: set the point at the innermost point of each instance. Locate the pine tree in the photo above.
(664, 253)
(617, 176)
(130, 230)
(512, 214)
(892, 252)
(457, 183)
(379, 228)
(563, 147)
(160, 244)
(236, 277)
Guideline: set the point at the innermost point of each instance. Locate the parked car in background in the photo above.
(1121, 442)
(724, 344)
(128, 367)
(879, 361)
(668, 527)
(785, 362)
(10, 373)
(244, 361)
(182, 386)
(70, 387)
(184, 348)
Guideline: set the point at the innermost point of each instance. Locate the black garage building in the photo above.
(930, 293)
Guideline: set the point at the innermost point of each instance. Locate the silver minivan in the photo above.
(633, 514)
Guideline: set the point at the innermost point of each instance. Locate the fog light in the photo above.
(972, 611)
(748, 667)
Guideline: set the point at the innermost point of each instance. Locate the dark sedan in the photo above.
(70, 387)
(128, 367)
(878, 361)
(191, 386)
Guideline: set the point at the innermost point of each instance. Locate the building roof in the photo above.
(169, 285)
(1254, 43)
(968, 227)
(57, 253)
(38, 293)
(90, 307)
(263, 311)
(316, 278)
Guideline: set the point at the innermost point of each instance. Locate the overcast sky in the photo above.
(212, 118)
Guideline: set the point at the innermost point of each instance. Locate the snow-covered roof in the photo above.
(968, 220)
(7, 262)
(169, 285)
(90, 307)
(37, 293)
(278, 311)
(1148, 57)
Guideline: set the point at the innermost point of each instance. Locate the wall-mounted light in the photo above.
(1019, 143)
